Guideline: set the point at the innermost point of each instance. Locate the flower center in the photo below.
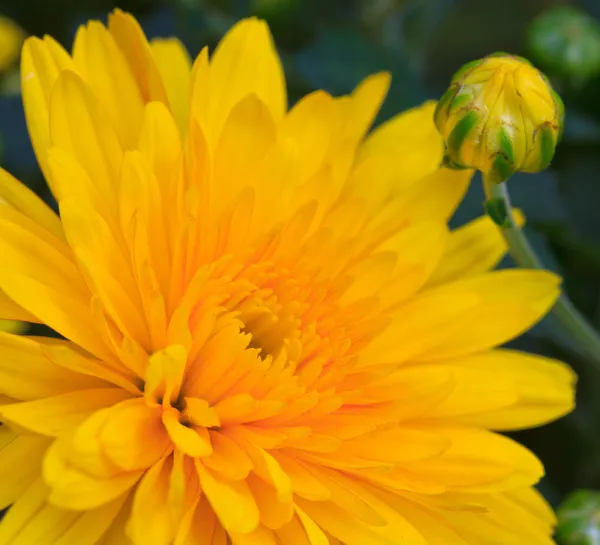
(273, 325)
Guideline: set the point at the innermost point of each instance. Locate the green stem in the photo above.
(586, 337)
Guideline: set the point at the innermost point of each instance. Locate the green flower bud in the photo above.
(565, 41)
(500, 115)
(579, 519)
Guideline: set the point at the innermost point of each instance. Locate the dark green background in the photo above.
(332, 44)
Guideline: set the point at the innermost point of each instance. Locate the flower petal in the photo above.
(41, 63)
(464, 317)
(151, 521)
(107, 72)
(511, 302)
(175, 67)
(133, 436)
(245, 62)
(53, 416)
(77, 490)
(27, 374)
(543, 390)
(472, 249)
(132, 42)
(232, 501)
(479, 461)
(17, 195)
(79, 126)
(32, 520)
(9, 310)
(20, 463)
(193, 442)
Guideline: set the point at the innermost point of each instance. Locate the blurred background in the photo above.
(332, 44)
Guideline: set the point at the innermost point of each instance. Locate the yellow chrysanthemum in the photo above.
(11, 40)
(270, 335)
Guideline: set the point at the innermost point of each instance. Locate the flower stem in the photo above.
(586, 337)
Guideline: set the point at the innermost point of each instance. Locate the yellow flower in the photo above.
(500, 115)
(270, 335)
(11, 40)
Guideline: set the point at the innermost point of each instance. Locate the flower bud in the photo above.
(500, 115)
(579, 519)
(565, 41)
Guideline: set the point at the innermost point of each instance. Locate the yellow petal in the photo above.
(53, 416)
(26, 374)
(419, 249)
(434, 197)
(479, 461)
(248, 133)
(350, 495)
(543, 389)
(472, 249)
(21, 198)
(68, 356)
(132, 42)
(309, 128)
(378, 445)
(79, 126)
(41, 63)
(232, 501)
(200, 525)
(501, 521)
(260, 536)
(9, 310)
(91, 525)
(369, 276)
(364, 104)
(133, 436)
(160, 145)
(437, 195)
(108, 272)
(175, 67)
(397, 154)
(165, 373)
(31, 517)
(150, 521)
(511, 301)
(313, 532)
(39, 275)
(227, 459)
(109, 75)
(201, 413)
(32, 520)
(295, 532)
(77, 490)
(303, 481)
(426, 519)
(268, 469)
(351, 531)
(245, 62)
(193, 442)
(474, 391)
(419, 324)
(20, 463)
(274, 511)
(116, 533)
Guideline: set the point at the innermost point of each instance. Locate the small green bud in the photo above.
(565, 41)
(500, 116)
(579, 519)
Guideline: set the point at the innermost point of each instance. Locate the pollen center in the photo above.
(273, 325)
